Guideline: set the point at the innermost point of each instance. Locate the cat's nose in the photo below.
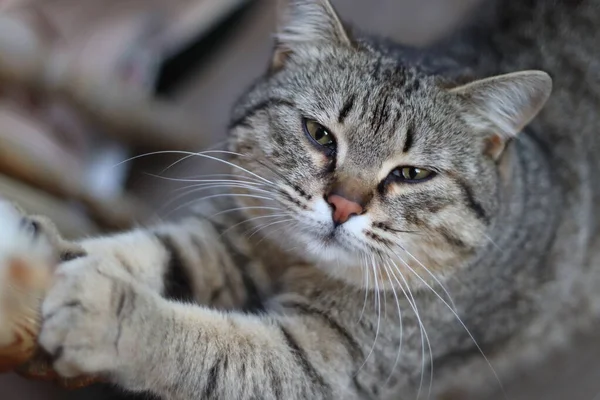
(343, 209)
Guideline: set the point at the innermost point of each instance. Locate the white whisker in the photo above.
(194, 201)
(191, 155)
(190, 180)
(461, 322)
(233, 195)
(268, 225)
(398, 354)
(253, 219)
(201, 154)
(273, 232)
(367, 273)
(432, 275)
(207, 186)
(249, 179)
(378, 310)
(188, 190)
(424, 337)
(491, 241)
(245, 208)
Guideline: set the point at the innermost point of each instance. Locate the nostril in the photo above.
(330, 199)
(333, 206)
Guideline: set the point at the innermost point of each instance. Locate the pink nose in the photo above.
(343, 209)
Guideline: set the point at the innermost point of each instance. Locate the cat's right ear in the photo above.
(306, 22)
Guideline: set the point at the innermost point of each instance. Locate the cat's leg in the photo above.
(189, 261)
(100, 322)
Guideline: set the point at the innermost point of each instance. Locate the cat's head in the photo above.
(367, 162)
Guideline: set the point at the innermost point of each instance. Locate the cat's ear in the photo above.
(303, 22)
(503, 105)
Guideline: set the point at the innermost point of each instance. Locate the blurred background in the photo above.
(86, 85)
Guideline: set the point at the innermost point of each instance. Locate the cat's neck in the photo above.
(522, 239)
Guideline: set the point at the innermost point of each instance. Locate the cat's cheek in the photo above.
(423, 261)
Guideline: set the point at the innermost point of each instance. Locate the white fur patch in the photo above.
(328, 251)
(321, 209)
(356, 225)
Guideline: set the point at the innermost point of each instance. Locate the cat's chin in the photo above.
(328, 248)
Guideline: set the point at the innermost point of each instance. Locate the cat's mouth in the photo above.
(340, 238)
(333, 238)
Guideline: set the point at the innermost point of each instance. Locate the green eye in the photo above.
(319, 134)
(411, 174)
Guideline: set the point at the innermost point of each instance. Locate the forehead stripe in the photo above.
(346, 108)
(408, 142)
(380, 114)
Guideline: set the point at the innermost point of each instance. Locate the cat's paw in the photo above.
(89, 318)
(27, 257)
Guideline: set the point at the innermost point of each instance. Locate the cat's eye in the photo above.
(412, 174)
(319, 134)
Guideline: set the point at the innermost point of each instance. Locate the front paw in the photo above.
(27, 259)
(86, 317)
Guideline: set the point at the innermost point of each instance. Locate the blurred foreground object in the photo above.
(29, 254)
(77, 95)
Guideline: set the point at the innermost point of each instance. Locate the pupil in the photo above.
(413, 173)
(320, 134)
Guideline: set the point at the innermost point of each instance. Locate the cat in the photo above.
(422, 224)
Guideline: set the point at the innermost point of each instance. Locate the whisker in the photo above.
(273, 168)
(253, 219)
(492, 241)
(273, 232)
(250, 179)
(367, 273)
(431, 274)
(189, 180)
(398, 354)
(424, 337)
(268, 225)
(384, 298)
(195, 190)
(207, 186)
(201, 154)
(461, 323)
(378, 310)
(194, 201)
(245, 208)
(211, 149)
(190, 189)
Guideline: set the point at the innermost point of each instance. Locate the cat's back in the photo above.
(561, 37)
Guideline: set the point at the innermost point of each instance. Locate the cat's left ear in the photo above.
(503, 105)
(307, 22)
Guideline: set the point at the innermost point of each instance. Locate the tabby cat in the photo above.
(412, 235)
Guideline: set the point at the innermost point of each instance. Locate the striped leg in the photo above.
(179, 351)
(189, 261)
(236, 356)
